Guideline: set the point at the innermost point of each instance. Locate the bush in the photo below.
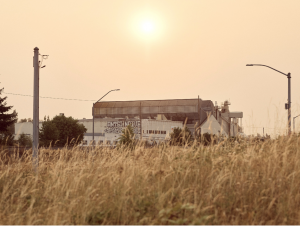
(24, 140)
(62, 131)
(6, 138)
(127, 137)
(208, 139)
(180, 136)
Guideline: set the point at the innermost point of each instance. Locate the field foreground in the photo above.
(229, 183)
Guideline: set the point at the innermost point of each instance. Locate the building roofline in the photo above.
(151, 100)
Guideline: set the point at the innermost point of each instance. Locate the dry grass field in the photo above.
(228, 183)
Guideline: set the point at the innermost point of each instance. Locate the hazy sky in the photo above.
(153, 50)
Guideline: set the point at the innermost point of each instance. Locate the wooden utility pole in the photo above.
(141, 131)
(199, 113)
(35, 142)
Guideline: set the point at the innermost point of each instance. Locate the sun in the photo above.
(147, 26)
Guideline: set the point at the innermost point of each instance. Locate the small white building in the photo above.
(108, 130)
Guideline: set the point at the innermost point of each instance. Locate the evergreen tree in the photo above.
(6, 119)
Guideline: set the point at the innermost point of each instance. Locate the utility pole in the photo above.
(141, 132)
(94, 122)
(199, 112)
(35, 143)
(289, 103)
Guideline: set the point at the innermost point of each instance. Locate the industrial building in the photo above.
(195, 113)
(108, 130)
(154, 120)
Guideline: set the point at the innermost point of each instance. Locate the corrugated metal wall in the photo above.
(146, 110)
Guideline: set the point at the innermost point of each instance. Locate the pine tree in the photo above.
(6, 119)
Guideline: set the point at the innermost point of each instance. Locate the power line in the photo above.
(55, 98)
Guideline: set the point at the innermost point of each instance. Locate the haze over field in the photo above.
(153, 50)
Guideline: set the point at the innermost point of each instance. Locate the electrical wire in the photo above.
(55, 98)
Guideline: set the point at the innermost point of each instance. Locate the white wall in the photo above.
(24, 127)
(212, 126)
(147, 125)
(99, 127)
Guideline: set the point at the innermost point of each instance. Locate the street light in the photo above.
(294, 122)
(288, 105)
(99, 112)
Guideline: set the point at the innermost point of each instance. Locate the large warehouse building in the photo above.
(155, 119)
(193, 112)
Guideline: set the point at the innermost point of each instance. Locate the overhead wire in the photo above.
(55, 98)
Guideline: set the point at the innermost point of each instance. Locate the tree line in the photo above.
(58, 131)
(62, 130)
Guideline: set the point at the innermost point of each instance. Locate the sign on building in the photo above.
(118, 126)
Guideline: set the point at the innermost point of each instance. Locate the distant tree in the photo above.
(23, 120)
(180, 136)
(49, 133)
(7, 121)
(62, 130)
(46, 118)
(24, 140)
(127, 137)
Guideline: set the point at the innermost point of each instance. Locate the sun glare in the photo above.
(147, 26)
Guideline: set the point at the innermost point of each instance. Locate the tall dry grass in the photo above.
(229, 183)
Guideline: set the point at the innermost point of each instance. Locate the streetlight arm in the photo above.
(296, 116)
(106, 94)
(266, 66)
